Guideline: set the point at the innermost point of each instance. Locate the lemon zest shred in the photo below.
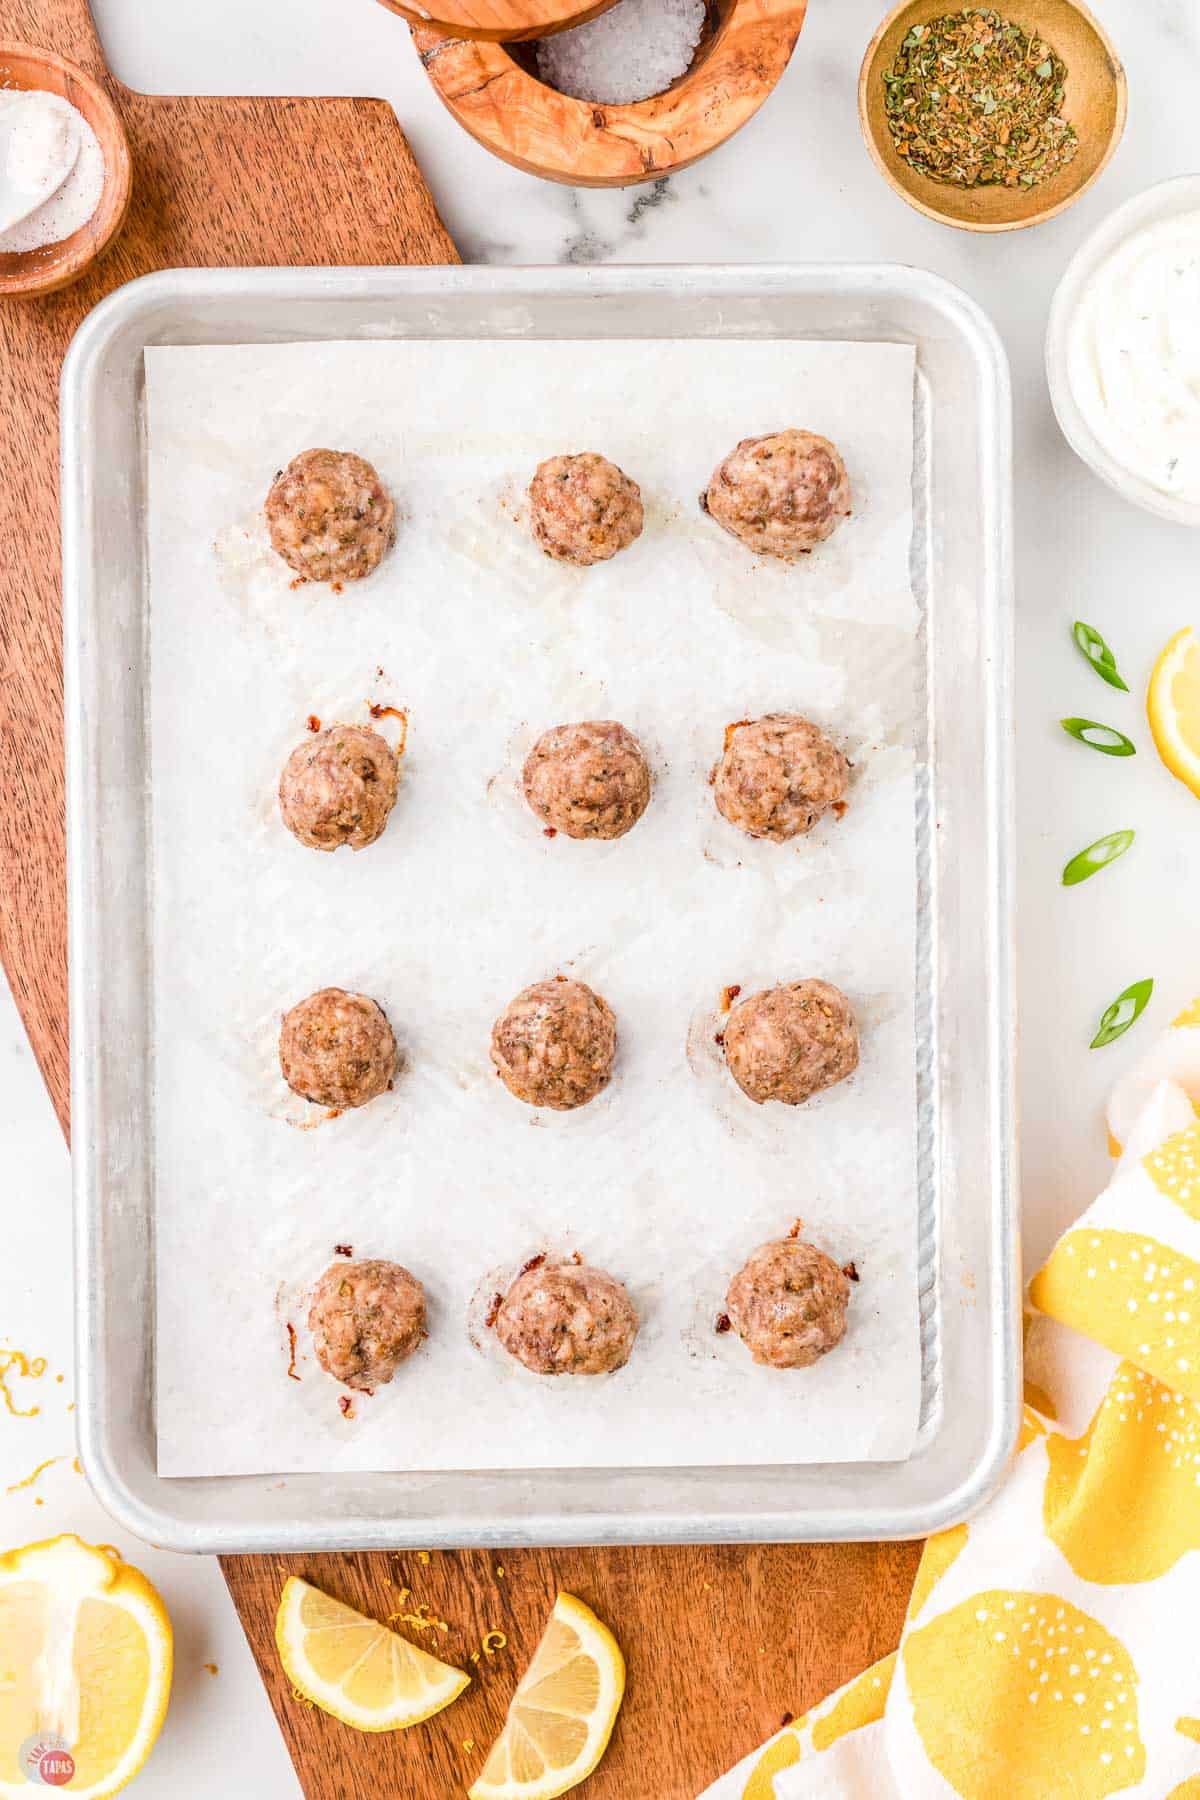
(420, 1620)
(30, 1479)
(30, 1369)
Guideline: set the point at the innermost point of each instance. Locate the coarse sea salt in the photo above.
(636, 49)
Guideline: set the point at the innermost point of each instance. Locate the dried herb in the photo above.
(973, 100)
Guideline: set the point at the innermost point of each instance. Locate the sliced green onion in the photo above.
(1093, 646)
(1125, 1009)
(1096, 856)
(1099, 737)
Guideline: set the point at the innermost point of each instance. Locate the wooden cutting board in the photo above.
(721, 1645)
(720, 1642)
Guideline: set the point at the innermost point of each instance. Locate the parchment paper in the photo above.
(671, 1177)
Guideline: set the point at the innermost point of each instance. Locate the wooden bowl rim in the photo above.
(602, 122)
(578, 12)
(1120, 94)
(46, 270)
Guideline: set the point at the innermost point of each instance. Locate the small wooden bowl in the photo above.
(494, 93)
(1095, 104)
(29, 272)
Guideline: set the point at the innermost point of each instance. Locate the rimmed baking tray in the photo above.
(967, 1211)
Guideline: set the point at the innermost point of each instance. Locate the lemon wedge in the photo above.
(1173, 707)
(356, 1669)
(562, 1713)
(85, 1668)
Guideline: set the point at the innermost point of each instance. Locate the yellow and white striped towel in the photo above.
(1052, 1645)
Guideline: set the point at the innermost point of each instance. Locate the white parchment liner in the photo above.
(671, 1177)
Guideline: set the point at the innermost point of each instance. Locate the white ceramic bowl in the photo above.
(1166, 200)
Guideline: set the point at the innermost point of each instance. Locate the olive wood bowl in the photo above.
(494, 92)
(1094, 103)
(41, 271)
(503, 21)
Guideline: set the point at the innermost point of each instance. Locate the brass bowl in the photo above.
(1095, 104)
(29, 272)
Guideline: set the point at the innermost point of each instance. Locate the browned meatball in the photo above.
(339, 787)
(589, 781)
(554, 1045)
(365, 1319)
(788, 1304)
(787, 1043)
(584, 509)
(337, 1049)
(567, 1319)
(778, 775)
(781, 494)
(330, 517)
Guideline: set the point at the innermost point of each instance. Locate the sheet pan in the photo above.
(961, 573)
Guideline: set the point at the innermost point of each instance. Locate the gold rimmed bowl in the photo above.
(1094, 103)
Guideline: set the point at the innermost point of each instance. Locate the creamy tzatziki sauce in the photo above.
(1133, 355)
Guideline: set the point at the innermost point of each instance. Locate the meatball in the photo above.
(365, 1319)
(554, 1045)
(330, 517)
(339, 787)
(584, 509)
(337, 1049)
(589, 781)
(788, 1304)
(787, 1043)
(777, 776)
(567, 1319)
(781, 494)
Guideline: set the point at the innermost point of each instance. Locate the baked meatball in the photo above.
(589, 781)
(365, 1319)
(339, 787)
(337, 1049)
(584, 509)
(554, 1045)
(782, 494)
(788, 1304)
(330, 517)
(777, 776)
(567, 1319)
(787, 1043)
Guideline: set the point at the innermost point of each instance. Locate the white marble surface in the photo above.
(797, 184)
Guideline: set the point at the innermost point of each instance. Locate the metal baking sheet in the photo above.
(961, 573)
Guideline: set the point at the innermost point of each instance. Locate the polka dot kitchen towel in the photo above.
(1051, 1649)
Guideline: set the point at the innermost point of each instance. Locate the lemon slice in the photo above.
(562, 1713)
(1173, 707)
(356, 1669)
(85, 1667)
